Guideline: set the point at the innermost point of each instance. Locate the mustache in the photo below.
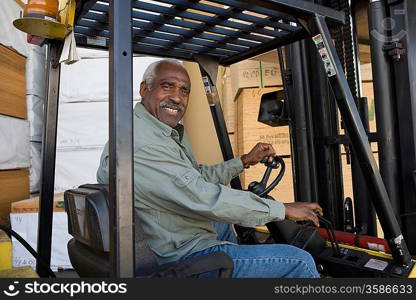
(172, 105)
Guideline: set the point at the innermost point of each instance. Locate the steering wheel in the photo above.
(260, 188)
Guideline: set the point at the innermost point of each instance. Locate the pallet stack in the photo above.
(14, 132)
(242, 86)
(22, 94)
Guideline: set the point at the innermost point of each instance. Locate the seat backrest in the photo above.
(88, 219)
(87, 208)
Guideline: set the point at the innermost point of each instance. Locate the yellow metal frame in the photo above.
(50, 29)
(412, 274)
(376, 253)
(5, 251)
(67, 12)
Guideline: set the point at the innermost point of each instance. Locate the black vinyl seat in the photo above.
(87, 208)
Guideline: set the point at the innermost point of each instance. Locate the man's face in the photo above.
(167, 98)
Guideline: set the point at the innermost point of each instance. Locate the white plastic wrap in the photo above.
(36, 71)
(82, 125)
(26, 225)
(91, 53)
(10, 36)
(35, 166)
(87, 80)
(76, 167)
(14, 143)
(82, 134)
(35, 106)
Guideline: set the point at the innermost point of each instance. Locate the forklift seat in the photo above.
(87, 208)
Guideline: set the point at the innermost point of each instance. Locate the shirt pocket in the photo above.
(192, 185)
(184, 179)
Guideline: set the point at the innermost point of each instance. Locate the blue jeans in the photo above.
(261, 261)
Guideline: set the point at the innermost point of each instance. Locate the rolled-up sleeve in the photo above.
(223, 172)
(167, 182)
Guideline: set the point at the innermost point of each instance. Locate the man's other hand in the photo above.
(257, 154)
(303, 211)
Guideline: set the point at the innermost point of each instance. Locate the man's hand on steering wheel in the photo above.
(257, 154)
(297, 211)
(303, 211)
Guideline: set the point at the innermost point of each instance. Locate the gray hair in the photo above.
(150, 72)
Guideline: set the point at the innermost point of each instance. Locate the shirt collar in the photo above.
(141, 111)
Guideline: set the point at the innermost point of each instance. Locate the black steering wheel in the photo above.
(260, 188)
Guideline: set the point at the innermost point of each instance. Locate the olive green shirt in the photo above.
(177, 199)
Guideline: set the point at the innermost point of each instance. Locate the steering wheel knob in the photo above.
(274, 164)
(261, 188)
(256, 187)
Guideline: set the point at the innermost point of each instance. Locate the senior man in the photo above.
(186, 208)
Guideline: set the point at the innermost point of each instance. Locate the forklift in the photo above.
(320, 38)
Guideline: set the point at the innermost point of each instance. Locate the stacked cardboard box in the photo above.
(26, 225)
(253, 73)
(250, 132)
(14, 132)
(13, 85)
(32, 205)
(243, 85)
(14, 186)
(24, 217)
(237, 77)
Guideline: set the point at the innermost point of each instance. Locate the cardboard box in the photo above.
(366, 72)
(284, 190)
(254, 73)
(14, 186)
(233, 141)
(26, 225)
(368, 91)
(271, 56)
(32, 205)
(250, 131)
(12, 83)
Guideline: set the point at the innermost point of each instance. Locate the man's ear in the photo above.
(143, 89)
